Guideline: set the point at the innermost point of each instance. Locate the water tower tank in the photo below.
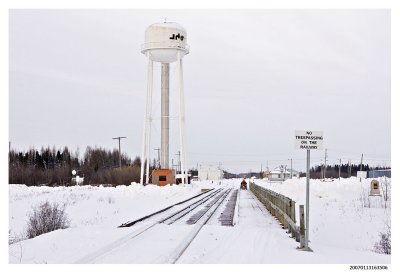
(164, 40)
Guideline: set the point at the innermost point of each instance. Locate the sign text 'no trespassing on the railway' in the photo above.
(309, 140)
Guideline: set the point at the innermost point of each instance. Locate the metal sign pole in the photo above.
(307, 200)
(308, 140)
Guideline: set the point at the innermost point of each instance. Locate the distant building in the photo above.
(279, 174)
(210, 173)
(162, 177)
(294, 173)
(77, 180)
(179, 177)
(380, 173)
(195, 178)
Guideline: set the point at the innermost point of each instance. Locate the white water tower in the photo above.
(165, 43)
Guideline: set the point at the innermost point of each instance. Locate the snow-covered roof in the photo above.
(278, 170)
(180, 175)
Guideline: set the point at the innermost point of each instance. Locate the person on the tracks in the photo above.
(243, 184)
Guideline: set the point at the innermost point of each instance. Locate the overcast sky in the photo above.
(253, 77)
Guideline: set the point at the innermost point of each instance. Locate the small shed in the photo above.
(163, 177)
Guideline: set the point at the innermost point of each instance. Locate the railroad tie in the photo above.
(194, 218)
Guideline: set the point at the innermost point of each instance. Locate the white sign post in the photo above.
(308, 140)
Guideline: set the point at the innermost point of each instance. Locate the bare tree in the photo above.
(46, 218)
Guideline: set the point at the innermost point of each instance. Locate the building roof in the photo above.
(278, 170)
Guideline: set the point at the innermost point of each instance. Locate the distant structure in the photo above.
(210, 173)
(165, 43)
(375, 188)
(76, 179)
(380, 173)
(279, 174)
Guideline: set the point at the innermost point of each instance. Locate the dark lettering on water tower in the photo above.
(176, 37)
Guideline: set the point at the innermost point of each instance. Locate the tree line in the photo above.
(53, 167)
(346, 170)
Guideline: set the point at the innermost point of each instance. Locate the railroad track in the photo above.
(183, 212)
(131, 223)
(199, 219)
(226, 217)
(196, 217)
(199, 211)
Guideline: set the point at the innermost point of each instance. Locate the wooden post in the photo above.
(293, 214)
(293, 209)
(287, 210)
(273, 203)
(284, 206)
(302, 229)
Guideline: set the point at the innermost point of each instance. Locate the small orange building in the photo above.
(163, 177)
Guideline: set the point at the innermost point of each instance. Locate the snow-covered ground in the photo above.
(342, 214)
(89, 206)
(343, 228)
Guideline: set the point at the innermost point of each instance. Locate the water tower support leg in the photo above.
(149, 127)
(164, 115)
(182, 120)
(144, 141)
(147, 120)
(148, 152)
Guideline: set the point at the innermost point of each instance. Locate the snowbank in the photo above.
(94, 206)
(345, 224)
(342, 214)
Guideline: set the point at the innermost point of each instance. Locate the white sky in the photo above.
(252, 77)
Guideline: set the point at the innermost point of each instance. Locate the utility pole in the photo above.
(119, 149)
(340, 166)
(158, 161)
(362, 155)
(349, 171)
(291, 168)
(322, 172)
(179, 160)
(326, 151)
